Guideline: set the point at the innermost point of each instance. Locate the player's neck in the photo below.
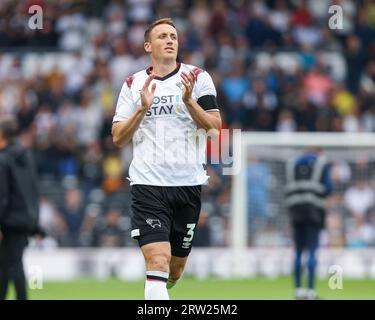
(163, 68)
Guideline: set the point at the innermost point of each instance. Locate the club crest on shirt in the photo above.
(179, 109)
(153, 222)
(179, 84)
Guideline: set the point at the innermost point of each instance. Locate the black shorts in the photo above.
(165, 214)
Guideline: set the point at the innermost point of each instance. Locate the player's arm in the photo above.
(123, 131)
(206, 120)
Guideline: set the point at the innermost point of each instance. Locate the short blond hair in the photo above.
(156, 23)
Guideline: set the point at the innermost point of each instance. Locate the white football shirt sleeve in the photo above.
(206, 92)
(205, 85)
(125, 106)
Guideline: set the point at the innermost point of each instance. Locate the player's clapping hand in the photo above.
(188, 80)
(147, 96)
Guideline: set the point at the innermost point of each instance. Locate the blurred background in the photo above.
(277, 67)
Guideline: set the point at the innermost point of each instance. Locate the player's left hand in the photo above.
(188, 80)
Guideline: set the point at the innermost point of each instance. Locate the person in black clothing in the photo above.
(19, 201)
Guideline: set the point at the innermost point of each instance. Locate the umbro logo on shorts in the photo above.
(154, 223)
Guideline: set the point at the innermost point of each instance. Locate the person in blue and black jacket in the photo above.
(308, 184)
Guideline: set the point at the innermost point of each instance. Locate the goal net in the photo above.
(258, 214)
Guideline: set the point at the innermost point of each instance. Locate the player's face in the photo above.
(163, 42)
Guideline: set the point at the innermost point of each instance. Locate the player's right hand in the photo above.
(147, 96)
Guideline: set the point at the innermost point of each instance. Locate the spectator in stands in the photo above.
(355, 59)
(359, 199)
(335, 236)
(261, 107)
(368, 119)
(71, 27)
(258, 179)
(202, 237)
(121, 63)
(50, 220)
(317, 84)
(110, 233)
(73, 214)
(89, 117)
(286, 122)
(112, 172)
(236, 83)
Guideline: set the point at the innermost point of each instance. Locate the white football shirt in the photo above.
(168, 148)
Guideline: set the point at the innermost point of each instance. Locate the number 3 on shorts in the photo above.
(187, 240)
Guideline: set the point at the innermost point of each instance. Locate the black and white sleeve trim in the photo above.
(208, 103)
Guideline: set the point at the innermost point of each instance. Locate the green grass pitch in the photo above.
(194, 289)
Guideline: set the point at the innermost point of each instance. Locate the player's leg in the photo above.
(151, 223)
(176, 269)
(157, 258)
(183, 228)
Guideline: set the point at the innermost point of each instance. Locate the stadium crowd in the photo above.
(276, 65)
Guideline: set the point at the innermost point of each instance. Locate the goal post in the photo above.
(278, 148)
